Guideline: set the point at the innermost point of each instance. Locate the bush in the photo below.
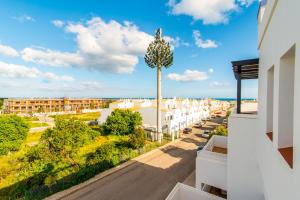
(67, 137)
(13, 131)
(106, 156)
(220, 130)
(138, 138)
(122, 122)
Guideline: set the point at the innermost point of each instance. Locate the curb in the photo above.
(108, 172)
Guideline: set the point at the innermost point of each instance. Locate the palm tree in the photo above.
(159, 55)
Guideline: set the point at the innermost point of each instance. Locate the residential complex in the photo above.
(176, 113)
(259, 159)
(38, 105)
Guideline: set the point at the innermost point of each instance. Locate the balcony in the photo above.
(185, 192)
(211, 164)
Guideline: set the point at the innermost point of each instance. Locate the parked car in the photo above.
(198, 125)
(187, 130)
(206, 134)
(200, 147)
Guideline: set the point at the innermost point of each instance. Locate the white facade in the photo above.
(176, 113)
(264, 147)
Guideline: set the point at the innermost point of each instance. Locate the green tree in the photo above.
(137, 139)
(122, 122)
(67, 137)
(159, 55)
(13, 131)
(220, 130)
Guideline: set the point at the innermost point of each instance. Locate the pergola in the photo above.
(244, 69)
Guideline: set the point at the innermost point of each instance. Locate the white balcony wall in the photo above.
(185, 192)
(211, 167)
(244, 178)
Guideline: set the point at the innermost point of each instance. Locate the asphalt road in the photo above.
(152, 177)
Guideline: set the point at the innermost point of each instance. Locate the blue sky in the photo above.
(95, 48)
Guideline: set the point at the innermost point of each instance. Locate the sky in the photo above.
(96, 48)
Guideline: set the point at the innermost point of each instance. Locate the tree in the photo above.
(138, 138)
(67, 137)
(13, 131)
(122, 122)
(159, 55)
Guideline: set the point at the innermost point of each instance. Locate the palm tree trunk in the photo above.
(158, 111)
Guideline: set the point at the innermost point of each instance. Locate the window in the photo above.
(286, 105)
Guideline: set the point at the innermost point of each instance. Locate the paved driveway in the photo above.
(151, 178)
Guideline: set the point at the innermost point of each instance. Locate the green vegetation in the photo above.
(37, 124)
(138, 138)
(82, 116)
(220, 130)
(1, 103)
(122, 122)
(13, 131)
(68, 154)
(106, 103)
(228, 113)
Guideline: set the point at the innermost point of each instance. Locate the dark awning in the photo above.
(245, 69)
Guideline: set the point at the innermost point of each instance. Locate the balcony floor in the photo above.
(287, 154)
(219, 150)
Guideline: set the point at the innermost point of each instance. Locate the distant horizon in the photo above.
(218, 98)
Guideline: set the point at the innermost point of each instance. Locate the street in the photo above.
(150, 178)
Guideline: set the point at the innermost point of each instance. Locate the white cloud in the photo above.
(20, 71)
(246, 3)
(58, 23)
(210, 70)
(209, 11)
(203, 43)
(219, 84)
(188, 76)
(50, 57)
(8, 51)
(24, 18)
(103, 46)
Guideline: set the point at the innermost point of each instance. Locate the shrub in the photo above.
(106, 156)
(122, 122)
(13, 131)
(67, 136)
(138, 138)
(220, 130)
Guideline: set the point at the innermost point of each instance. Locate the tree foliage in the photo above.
(122, 122)
(137, 139)
(13, 131)
(67, 136)
(159, 52)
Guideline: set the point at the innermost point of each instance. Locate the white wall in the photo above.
(244, 178)
(283, 32)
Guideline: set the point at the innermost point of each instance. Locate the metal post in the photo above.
(238, 98)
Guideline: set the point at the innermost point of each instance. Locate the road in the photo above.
(150, 178)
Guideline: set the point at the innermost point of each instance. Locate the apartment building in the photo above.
(260, 158)
(38, 105)
(176, 113)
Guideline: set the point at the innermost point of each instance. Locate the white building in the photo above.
(176, 113)
(260, 158)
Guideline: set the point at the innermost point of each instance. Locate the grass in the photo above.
(11, 163)
(33, 124)
(82, 116)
